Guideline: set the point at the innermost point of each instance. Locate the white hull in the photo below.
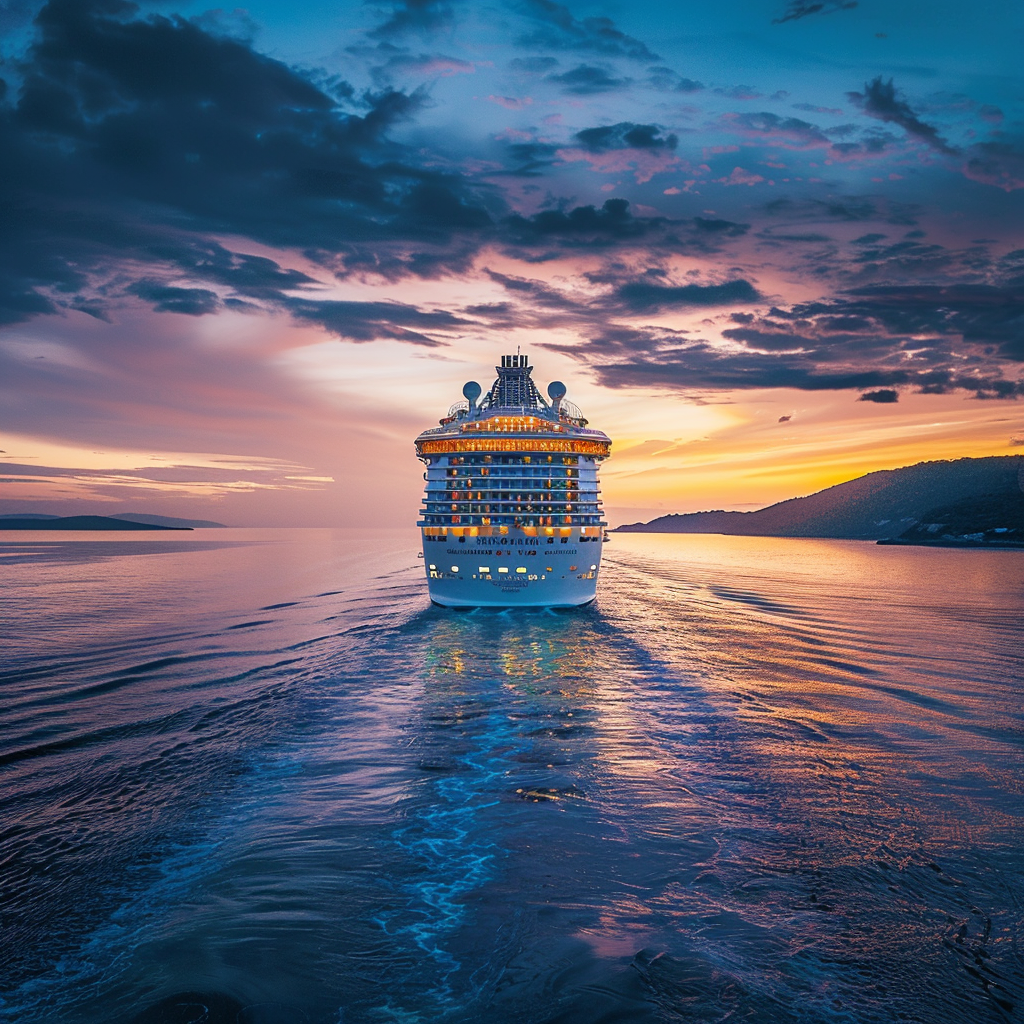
(467, 571)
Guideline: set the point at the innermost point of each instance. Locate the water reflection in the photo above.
(747, 784)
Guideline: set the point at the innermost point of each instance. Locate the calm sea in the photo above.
(254, 777)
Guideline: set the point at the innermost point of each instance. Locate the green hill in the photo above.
(882, 506)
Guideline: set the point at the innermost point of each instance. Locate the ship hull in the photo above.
(516, 569)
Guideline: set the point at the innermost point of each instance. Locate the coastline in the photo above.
(953, 543)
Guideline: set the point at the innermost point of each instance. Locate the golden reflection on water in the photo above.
(756, 776)
(802, 741)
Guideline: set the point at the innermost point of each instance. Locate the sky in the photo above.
(247, 254)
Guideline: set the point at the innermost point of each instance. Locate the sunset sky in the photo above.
(246, 256)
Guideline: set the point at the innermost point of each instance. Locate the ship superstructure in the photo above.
(512, 510)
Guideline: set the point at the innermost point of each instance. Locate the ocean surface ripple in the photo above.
(254, 777)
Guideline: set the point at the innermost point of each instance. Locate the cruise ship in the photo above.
(512, 513)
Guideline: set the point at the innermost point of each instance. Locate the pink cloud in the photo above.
(786, 132)
(995, 163)
(644, 164)
(511, 102)
(515, 135)
(445, 67)
(740, 177)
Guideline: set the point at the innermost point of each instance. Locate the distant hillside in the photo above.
(78, 523)
(170, 522)
(986, 520)
(873, 507)
(190, 524)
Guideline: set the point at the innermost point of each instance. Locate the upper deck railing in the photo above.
(513, 407)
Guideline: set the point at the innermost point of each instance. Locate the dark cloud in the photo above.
(131, 143)
(582, 225)
(166, 299)
(784, 131)
(641, 295)
(254, 277)
(627, 357)
(539, 293)
(421, 65)
(812, 108)
(585, 79)
(767, 341)
(137, 138)
(797, 9)
(740, 92)
(879, 100)
(842, 209)
(1011, 268)
(368, 321)
(529, 159)
(718, 226)
(651, 361)
(996, 163)
(876, 340)
(610, 226)
(558, 29)
(909, 259)
(626, 135)
(667, 80)
(981, 314)
(532, 65)
(414, 16)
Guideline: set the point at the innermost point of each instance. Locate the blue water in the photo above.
(253, 777)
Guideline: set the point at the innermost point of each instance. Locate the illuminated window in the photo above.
(455, 568)
(433, 567)
(484, 569)
(502, 568)
(593, 567)
(520, 568)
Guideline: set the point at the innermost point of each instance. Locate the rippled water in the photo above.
(253, 777)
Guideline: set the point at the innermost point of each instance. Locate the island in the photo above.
(961, 502)
(130, 521)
